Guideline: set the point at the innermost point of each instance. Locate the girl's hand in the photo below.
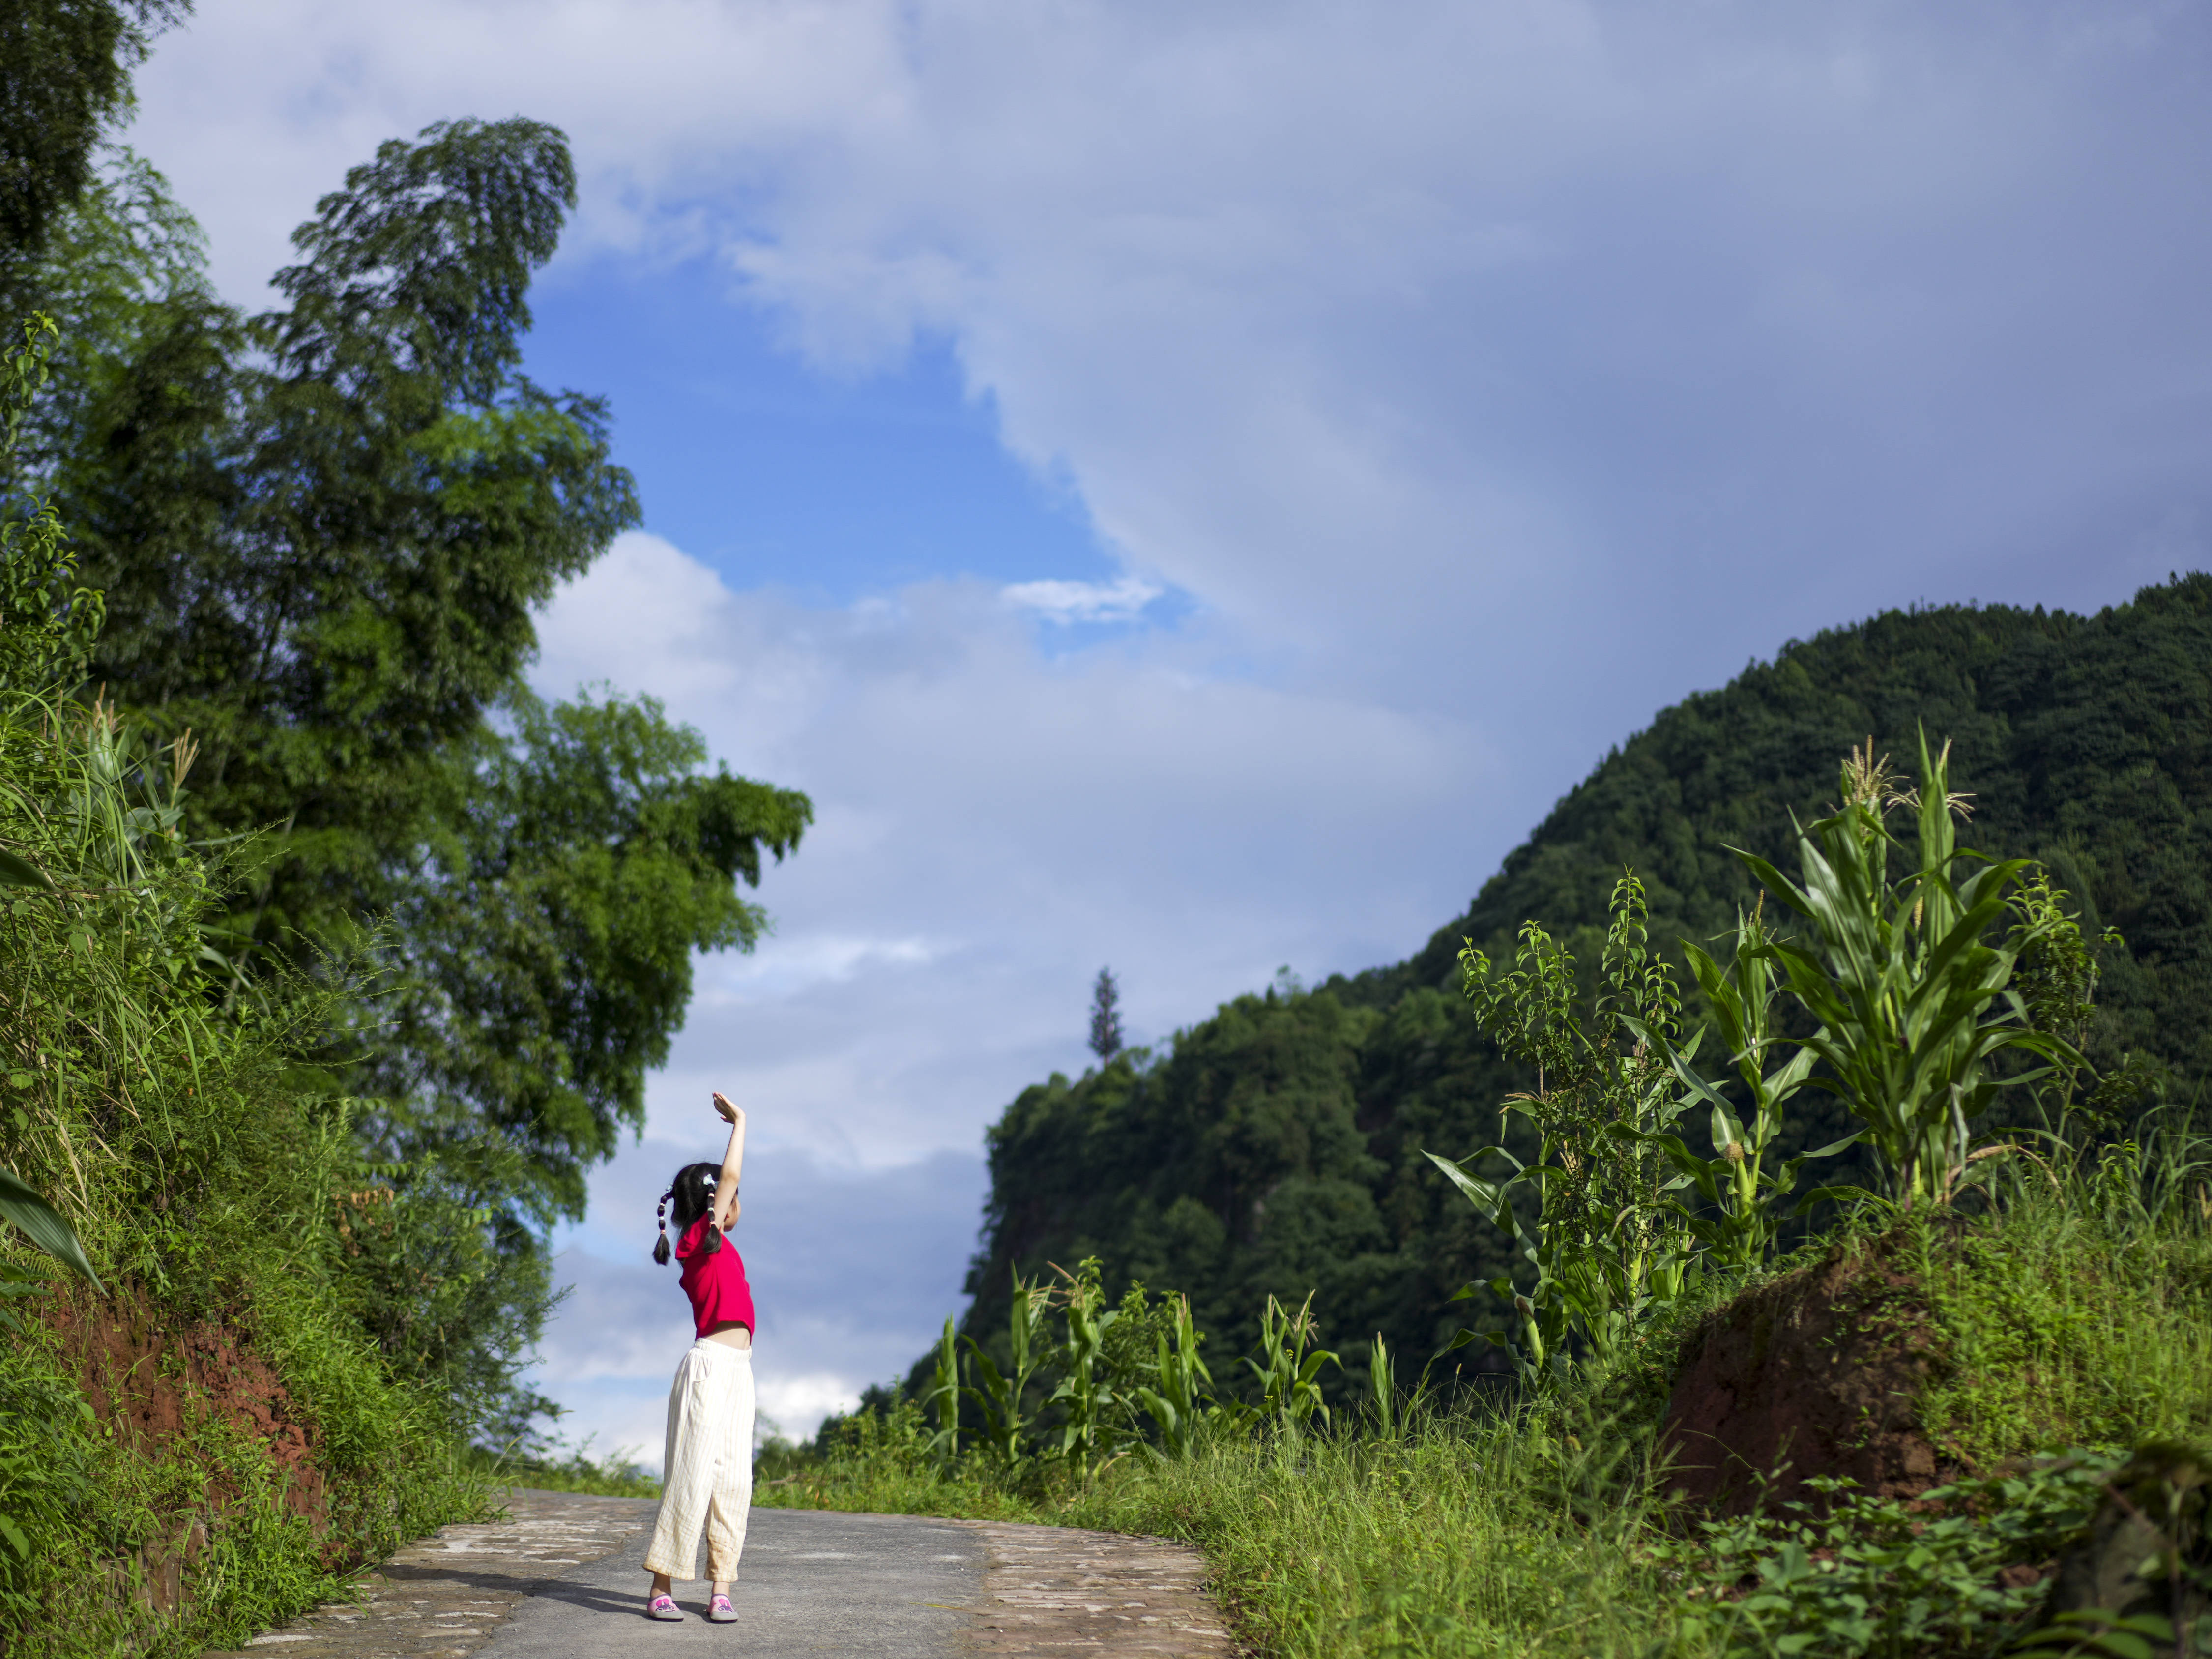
(729, 1113)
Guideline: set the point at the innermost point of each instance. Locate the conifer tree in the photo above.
(1105, 1017)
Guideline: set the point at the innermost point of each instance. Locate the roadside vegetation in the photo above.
(2027, 1272)
(331, 958)
(191, 1383)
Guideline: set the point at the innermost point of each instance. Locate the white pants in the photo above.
(707, 1476)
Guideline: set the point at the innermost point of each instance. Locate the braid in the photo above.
(660, 1215)
(709, 1178)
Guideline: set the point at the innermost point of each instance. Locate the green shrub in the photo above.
(198, 1156)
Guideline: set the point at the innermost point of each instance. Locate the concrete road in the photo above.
(810, 1583)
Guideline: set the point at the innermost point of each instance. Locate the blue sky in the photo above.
(831, 485)
(1187, 486)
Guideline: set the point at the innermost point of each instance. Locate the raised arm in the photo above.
(734, 1161)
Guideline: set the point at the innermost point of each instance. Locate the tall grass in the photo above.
(2078, 1310)
(205, 1164)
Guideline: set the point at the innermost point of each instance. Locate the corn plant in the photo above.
(1089, 1396)
(1607, 1246)
(43, 1225)
(943, 1395)
(1288, 1369)
(1742, 1194)
(1383, 1391)
(1911, 1001)
(998, 1396)
(1179, 1399)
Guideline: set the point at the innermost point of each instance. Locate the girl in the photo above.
(707, 1476)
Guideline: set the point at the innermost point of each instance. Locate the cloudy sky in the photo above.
(1185, 486)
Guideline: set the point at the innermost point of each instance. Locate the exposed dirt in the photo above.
(159, 1382)
(1817, 1373)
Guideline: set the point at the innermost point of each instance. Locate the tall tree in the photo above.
(1105, 1016)
(65, 79)
(322, 532)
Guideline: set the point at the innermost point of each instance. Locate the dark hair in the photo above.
(692, 1191)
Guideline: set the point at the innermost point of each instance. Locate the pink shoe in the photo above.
(663, 1606)
(721, 1612)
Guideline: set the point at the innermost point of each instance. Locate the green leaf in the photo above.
(1840, 1195)
(14, 1534)
(16, 870)
(21, 1204)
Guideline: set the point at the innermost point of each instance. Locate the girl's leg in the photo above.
(731, 1503)
(661, 1583)
(697, 1407)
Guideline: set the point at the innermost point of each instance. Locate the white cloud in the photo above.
(992, 824)
(830, 958)
(795, 1404)
(1122, 600)
(1467, 345)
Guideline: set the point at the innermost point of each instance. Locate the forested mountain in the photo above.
(1276, 1147)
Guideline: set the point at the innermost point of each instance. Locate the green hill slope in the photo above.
(1275, 1148)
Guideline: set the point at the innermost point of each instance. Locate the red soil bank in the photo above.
(1817, 1373)
(157, 1383)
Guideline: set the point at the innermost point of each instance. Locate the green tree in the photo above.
(64, 80)
(543, 960)
(322, 532)
(1105, 1016)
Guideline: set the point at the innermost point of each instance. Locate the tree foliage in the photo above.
(65, 79)
(321, 533)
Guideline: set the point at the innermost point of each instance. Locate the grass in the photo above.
(615, 1475)
(2080, 1313)
(1464, 1532)
(2073, 1313)
(198, 1156)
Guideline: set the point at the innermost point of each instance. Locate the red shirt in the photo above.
(716, 1284)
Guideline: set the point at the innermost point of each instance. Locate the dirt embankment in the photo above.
(1817, 1373)
(166, 1386)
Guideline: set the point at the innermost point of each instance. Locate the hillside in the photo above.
(1275, 1148)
